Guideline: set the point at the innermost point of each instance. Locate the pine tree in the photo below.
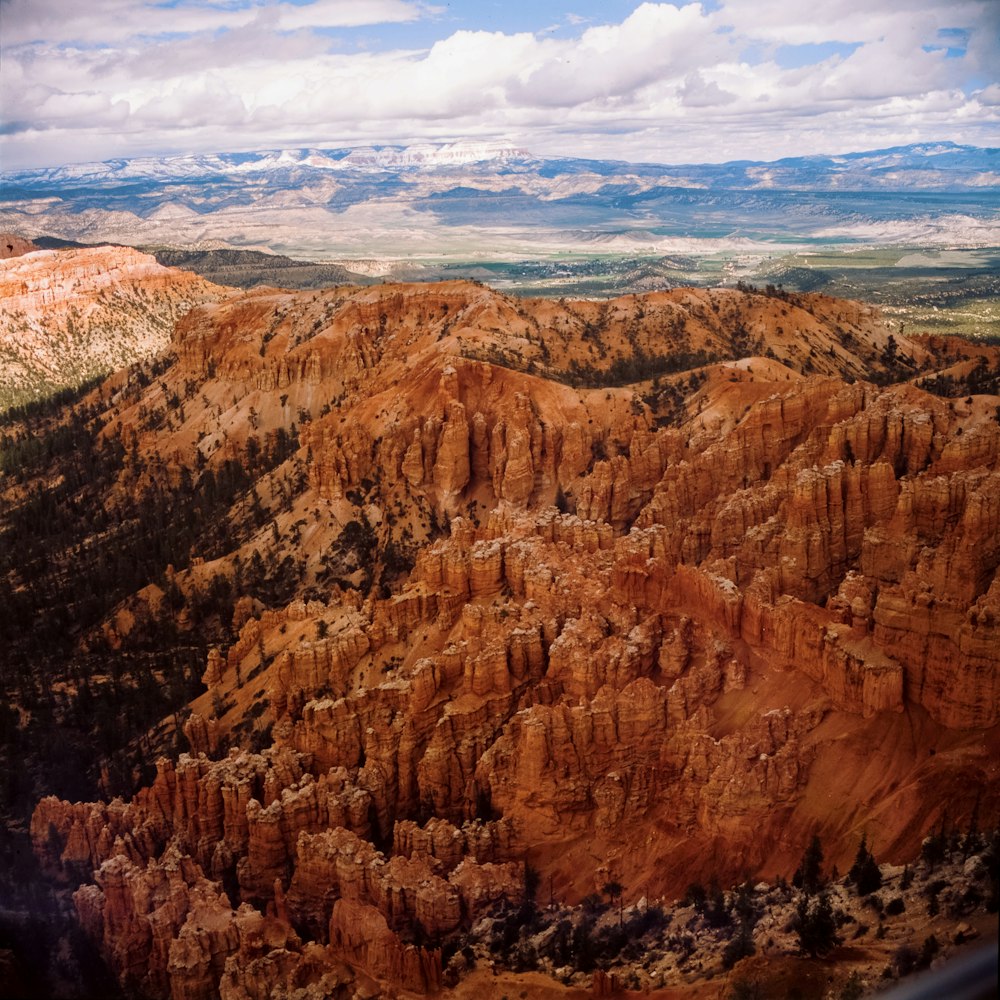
(613, 890)
(815, 925)
(865, 872)
(741, 946)
(971, 842)
(809, 875)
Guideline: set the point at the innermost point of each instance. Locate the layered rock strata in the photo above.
(68, 316)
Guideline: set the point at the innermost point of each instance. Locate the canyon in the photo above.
(500, 596)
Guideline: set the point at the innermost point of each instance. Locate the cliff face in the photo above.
(539, 620)
(71, 315)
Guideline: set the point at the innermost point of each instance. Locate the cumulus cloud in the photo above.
(989, 96)
(665, 82)
(697, 92)
(656, 42)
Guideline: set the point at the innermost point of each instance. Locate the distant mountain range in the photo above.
(937, 166)
(493, 200)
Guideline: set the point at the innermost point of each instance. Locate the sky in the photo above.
(648, 82)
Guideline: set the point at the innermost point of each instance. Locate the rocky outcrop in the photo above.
(163, 927)
(410, 891)
(167, 929)
(12, 245)
(773, 556)
(360, 933)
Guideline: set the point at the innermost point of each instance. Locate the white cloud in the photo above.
(697, 92)
(788, 22)
(198, 103)
(107, 21)
(667, 83)
(989, 96)
(347, 13)
(656, 42)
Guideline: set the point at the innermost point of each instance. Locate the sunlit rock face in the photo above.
(72, 315)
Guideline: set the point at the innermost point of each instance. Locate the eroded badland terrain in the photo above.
(415, 637)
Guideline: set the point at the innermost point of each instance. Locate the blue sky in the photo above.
(716, 80)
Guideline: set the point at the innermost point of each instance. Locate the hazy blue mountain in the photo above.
(304, 199)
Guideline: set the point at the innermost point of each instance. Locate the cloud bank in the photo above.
(726, 79)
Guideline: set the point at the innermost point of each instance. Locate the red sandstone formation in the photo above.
(667, 648)
(70, 315)
(12, 245)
